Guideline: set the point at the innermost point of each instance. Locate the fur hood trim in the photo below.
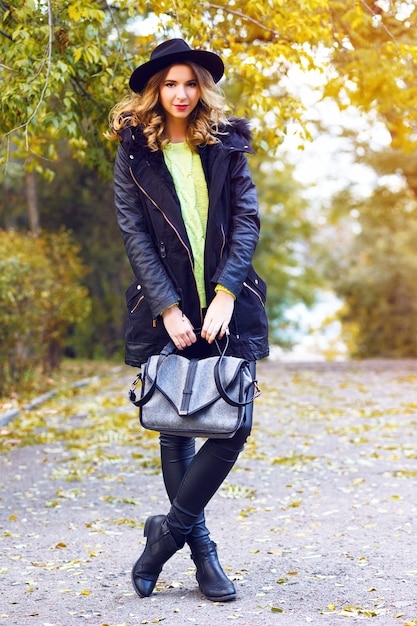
(237, 134)
(242, 127)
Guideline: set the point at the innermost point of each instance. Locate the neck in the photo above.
(176, 130)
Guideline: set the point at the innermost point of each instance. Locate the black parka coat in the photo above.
(159, 251)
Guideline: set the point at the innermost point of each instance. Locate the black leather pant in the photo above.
(191, 479)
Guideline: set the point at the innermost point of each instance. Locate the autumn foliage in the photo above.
(40, 300)
(63, 65)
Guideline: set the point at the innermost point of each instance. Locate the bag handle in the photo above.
(170, 347)
(222, 391)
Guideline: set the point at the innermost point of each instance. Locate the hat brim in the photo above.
(210, 61)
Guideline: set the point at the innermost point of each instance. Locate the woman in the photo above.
(187, 210)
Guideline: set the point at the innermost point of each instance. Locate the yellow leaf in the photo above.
(85, 592)
(77, 54)
(74, 13)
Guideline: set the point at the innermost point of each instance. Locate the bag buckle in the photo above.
(132, 390)
(257, 390)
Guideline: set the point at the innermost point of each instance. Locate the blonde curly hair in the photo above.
(145, 110)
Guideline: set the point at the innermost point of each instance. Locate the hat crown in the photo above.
(167, 48)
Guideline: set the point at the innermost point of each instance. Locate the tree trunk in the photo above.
(32, 202)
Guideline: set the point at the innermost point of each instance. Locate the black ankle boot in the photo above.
(160, 546)
(212, 580)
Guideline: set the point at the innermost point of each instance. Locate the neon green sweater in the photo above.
(190, 183)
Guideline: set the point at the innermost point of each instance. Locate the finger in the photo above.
(206, 330)
(224, 330)
(213, 333)
(190, 338)
(185, 339)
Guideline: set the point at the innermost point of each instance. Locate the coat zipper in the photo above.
(255, 292)
(173, 228)
(223, 242)
(137, 304)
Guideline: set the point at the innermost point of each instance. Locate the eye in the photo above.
(193, 83)
(169, 84)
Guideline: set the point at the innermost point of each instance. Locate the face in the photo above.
(179, 92)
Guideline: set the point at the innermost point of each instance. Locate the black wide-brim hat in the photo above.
(171, 52)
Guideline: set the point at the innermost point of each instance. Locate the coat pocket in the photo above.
(250, 316)
(144, 335)
(256, 286)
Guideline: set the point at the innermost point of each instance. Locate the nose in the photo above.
(181, 93)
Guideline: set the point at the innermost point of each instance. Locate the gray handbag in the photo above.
(194, 397)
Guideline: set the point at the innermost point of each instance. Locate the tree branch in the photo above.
(374, 13)
(6, 7)
(6, 35)
(48, 71)
(248, 19)
(116, 26)
(78, 86)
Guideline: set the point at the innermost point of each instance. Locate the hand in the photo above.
(178, 327)
(218, 316)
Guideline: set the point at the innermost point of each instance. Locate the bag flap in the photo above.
(173, 374)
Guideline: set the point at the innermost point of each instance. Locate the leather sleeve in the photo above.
(245, 224)
(159, 291)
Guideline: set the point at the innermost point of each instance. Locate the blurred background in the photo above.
(330, 88)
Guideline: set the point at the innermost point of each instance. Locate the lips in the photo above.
(181, 107)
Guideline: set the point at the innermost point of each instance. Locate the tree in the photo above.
(374, 58)
(41, 298)
(372, 261)
(78, 200)
(57, 80)
(286, 244)
(64, 64)
(83, 203)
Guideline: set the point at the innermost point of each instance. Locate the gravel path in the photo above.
(316, 523)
